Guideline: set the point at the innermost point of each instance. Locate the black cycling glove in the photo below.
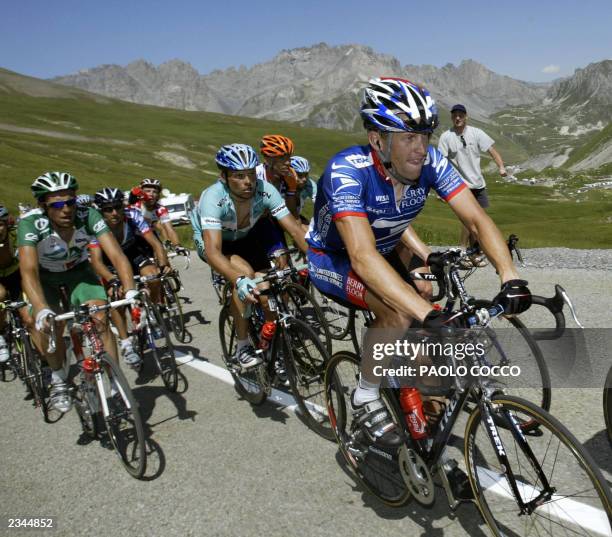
(442, 323)
(514, 297)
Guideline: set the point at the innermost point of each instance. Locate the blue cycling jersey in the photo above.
(354, 183)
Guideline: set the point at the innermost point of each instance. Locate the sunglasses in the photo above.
(111, 208)
(463, 141)
(61, 204)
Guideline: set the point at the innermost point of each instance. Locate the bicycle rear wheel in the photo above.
(306, 359)
(578, 501)
(121, 416)
(248, 383)
(607, 405)
(173, 311)
(376, 467)
(161, 348)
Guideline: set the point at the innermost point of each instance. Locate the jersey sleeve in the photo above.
(210, 211)
(484, 140)
(274, 202)
(163, 215)
(27, 234)
(343, 188)
(447, 181)
(139, 224)
(96, 225)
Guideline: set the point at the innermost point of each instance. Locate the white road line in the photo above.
(565, 509)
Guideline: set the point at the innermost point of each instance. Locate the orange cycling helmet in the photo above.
(276, 145)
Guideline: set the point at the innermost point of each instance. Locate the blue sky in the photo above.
(535, 40)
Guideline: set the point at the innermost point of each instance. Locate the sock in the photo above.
(58, 376)
(366, 392)
(241, 343)
(127, 342)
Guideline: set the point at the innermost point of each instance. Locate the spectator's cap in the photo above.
(458, 108)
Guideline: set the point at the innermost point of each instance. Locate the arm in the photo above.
(498, 160)
(378, 276)
(170, 234)
(30, 278)
(292, 205)
(158, 249)
(413, 242)
(291, 226)
(113, 251)
(489, 237)
(97, 262)
(216, 259)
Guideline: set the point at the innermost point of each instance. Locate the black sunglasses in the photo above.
(463, 141)
(111, 208)
(61, 204)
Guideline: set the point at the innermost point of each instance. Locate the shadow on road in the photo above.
(599, 448)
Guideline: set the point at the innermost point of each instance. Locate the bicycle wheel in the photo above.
(303, 306)
(87, 407)
(121, 416)
(335, 315)
(247, 383)
(161, 348)
(510, 342)
(607, 405)
(306, 359)
(376, 467)
(173, 311)
(577, 501)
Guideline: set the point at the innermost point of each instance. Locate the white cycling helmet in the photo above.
(53, 182)
(300, 164)
(150, 183)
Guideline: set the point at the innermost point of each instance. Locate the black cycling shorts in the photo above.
(12, 284)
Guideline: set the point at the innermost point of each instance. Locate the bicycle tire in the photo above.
(306, 375)
(335, 315)
(247, 384)
(542, 395)
(165, 360)
(487, 479)
(128, 442)
(376, 468)
(173, 312)
(300, 299)
(89, 418)
(607, 405)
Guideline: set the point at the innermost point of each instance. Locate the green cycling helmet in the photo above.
(53, 182)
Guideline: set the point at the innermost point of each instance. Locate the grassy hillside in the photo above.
(107, 142)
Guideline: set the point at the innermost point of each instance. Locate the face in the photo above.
(242, 183)
(61, 208)
(113, 214)
(459, 119)
(301, 180)
(154, 195)
(279, 166)
(408, 151)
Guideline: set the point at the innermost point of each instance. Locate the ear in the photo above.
(375, 139)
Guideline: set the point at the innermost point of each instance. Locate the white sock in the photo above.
(366, 392)
(58, 376)
(241, 344)
(127, 342)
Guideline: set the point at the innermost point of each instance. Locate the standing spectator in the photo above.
(462, 145)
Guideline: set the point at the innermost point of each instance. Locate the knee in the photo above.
(394, 319)
(3, 293)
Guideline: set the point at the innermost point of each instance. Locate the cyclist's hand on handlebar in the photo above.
(181, 250)
(132, 294)
(165, 269)
(442, 323)
(43, 321)
(247, 290)
(514, 297)
(435, 262)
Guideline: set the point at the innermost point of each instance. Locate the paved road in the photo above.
(221, 467)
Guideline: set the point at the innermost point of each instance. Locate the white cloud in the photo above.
(550, 69)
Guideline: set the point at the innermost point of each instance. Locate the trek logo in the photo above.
(358, 161)
(494, 434)
(383, 199)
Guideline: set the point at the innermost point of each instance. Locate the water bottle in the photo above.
(135, 312)
(267, 334)
(412, 406)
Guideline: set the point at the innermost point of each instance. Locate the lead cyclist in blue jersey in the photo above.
(367, 197)
(237, 236)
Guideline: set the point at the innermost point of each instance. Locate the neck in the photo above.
(459, 130)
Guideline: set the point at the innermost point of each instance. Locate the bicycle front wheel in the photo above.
(173, 312)
(121, 416)
(575, 500)
(303, 305)
(607, 405)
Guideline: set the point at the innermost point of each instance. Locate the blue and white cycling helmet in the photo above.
(300, 164)
(385, 99)
(236, 157)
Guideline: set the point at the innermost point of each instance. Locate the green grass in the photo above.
(122, 140)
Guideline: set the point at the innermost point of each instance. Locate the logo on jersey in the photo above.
(30, 237)
(382, 199)
(41, 224)
(99, 226)
(359, 161)
(342, 182)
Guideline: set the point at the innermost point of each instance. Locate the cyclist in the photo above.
(10, 282)
(145, 198)
(84, 200)
(141, 247)
(368, 196)
(236, 234)
(306, 188)
(52, 253)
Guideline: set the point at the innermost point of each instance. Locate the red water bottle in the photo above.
(412, 406)
(135, 311)
(267, 333)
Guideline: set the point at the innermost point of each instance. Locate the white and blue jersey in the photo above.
(354, 184)
(308, 192)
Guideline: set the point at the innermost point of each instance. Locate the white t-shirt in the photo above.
(466, 157)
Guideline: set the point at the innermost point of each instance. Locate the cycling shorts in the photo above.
(82, 285)
(12, 284)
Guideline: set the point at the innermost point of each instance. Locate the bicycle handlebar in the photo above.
(555, 306)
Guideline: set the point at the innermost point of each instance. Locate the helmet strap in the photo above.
(385, 158)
